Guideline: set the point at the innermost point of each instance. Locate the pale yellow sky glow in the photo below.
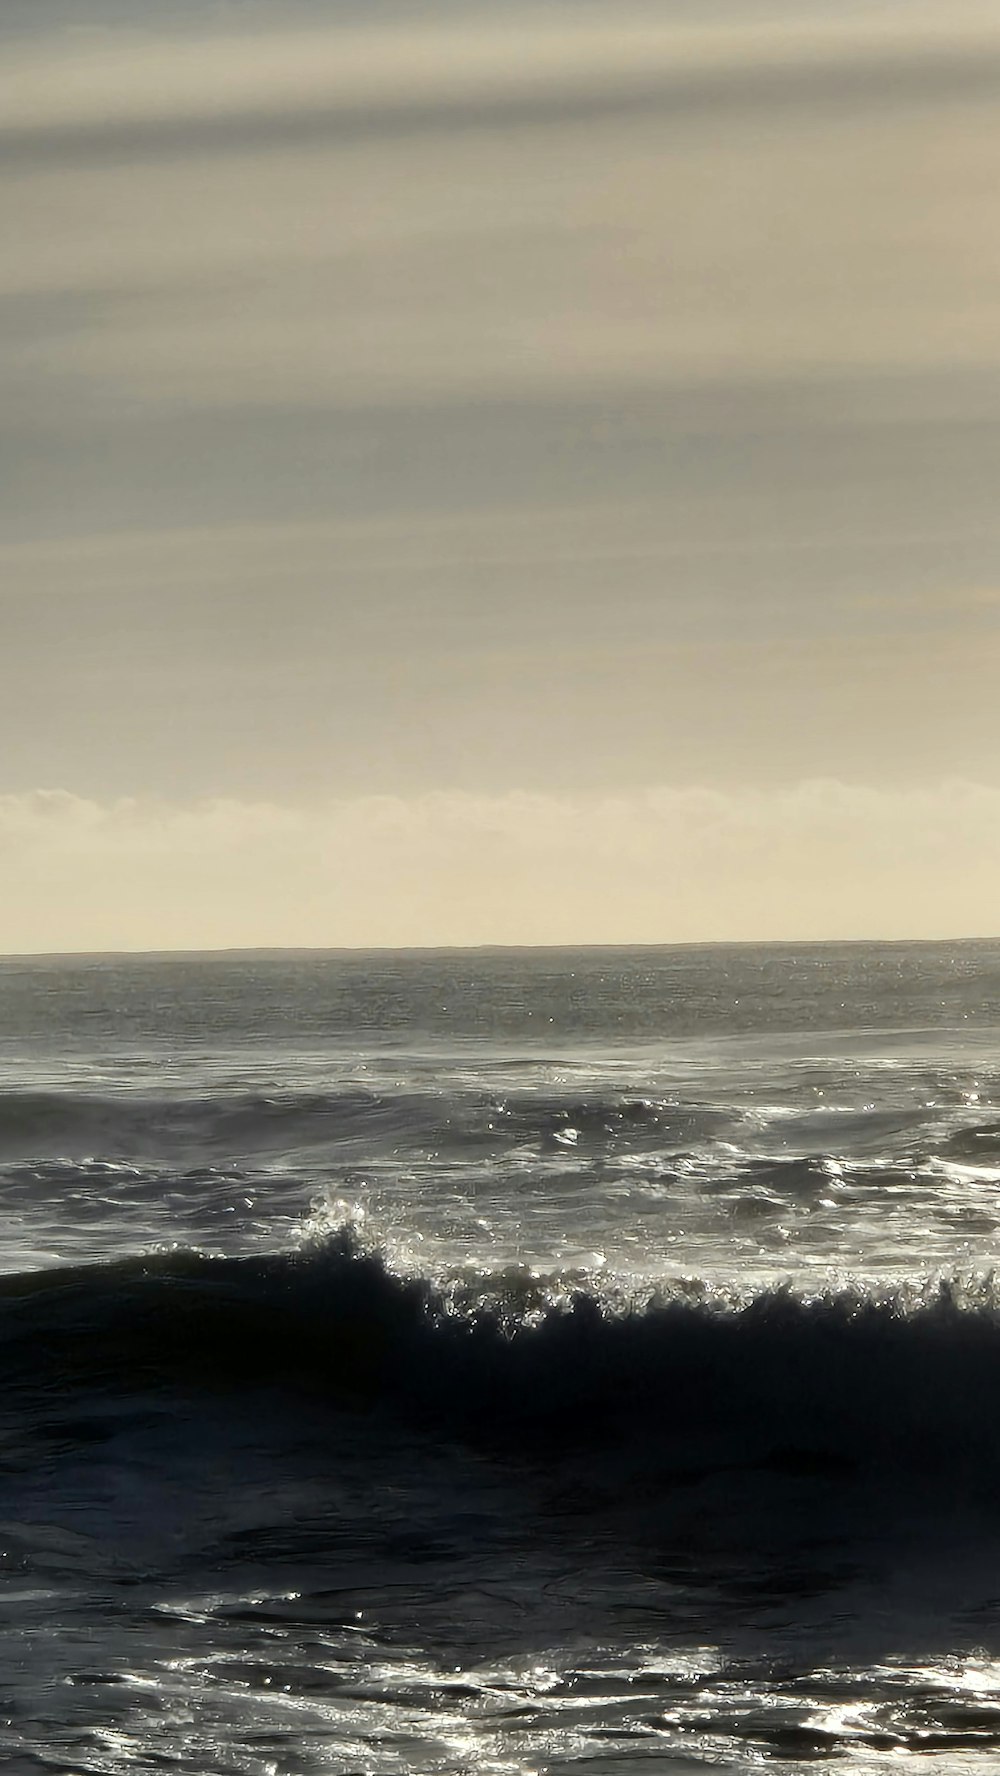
(477, 476)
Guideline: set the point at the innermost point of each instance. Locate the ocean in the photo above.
(501, 1361)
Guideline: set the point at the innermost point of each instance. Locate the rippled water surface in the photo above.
(514, 1361)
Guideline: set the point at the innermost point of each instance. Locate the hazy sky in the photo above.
(498, 474)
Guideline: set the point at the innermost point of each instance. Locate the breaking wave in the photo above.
(839, 1384)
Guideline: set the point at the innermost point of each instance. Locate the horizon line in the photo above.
(277, 950)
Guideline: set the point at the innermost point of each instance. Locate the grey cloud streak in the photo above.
(807, 453)
(734, 92)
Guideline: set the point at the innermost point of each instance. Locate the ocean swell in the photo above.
(50, 1124)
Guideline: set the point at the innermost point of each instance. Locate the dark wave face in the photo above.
(841, 1384)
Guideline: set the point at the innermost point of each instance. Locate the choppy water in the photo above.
(501, 1362)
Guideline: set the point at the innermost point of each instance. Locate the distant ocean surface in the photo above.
(516, 1361)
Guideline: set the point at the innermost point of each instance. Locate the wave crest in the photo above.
(849, 1381)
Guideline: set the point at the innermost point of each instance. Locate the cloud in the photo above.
(292, 218)
(549, 398)
(820, 859)
(140, 93)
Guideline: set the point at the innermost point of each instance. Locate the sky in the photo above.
(486, 474)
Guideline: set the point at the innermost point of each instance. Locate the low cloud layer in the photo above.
(817, 860)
